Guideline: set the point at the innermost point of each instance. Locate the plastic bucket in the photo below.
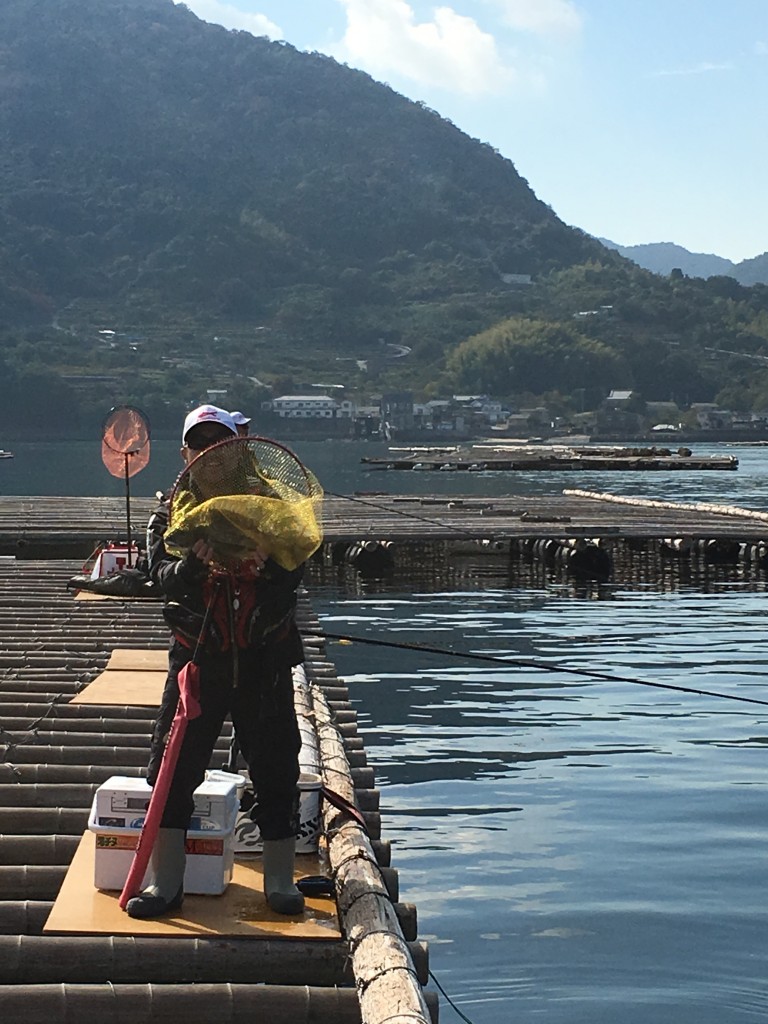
(247, 837)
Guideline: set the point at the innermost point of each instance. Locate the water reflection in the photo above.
(434, 568)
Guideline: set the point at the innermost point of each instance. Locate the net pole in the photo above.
(128, 507)
(157, 802)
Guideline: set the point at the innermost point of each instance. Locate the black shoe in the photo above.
(145, 905)
(316, 885)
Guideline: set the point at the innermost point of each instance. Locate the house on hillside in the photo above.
(480, 410)
(397, 410)
(618, 399)
(367, 421)
(621, 413)
(601, 311)
(709, 416)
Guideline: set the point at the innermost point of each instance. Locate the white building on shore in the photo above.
(310, 407)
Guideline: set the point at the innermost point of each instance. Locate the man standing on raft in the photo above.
(245, 661)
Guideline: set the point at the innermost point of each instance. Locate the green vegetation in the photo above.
(242, 214)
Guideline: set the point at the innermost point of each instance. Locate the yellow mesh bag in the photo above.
(242, 494)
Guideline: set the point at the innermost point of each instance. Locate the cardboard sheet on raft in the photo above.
(129, 659)
(81, 909)
(132, 676)
(140, 689)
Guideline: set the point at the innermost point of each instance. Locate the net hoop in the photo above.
(242, 495)
(125, 441)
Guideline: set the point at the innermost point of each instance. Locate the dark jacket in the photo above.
(247, 612)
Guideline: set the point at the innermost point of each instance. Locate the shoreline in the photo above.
(439, 439)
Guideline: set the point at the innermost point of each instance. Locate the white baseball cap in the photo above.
(207, 414)
(239, 418)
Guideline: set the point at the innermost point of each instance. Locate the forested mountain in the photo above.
(237, 211)
(153, 159)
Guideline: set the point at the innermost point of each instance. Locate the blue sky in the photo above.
(636, 120)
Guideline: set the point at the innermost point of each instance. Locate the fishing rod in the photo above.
(531, 663)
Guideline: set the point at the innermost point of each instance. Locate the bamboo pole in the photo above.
(367, 799)
(382, 849)
(385, 975)
(30, 882)
(177, 1004)
(63, 738)
(39, 796)
(116, 757)
(408, 917)
(43, 851)
(84, 724)
(122, 959)
(23, 917)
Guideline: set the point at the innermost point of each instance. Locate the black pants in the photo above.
(264, 719)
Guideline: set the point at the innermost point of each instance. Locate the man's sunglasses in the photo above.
(199, 444)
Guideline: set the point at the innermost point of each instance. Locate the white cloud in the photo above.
(230, 17)
(541, 17)
(696, 69)
(450, 51)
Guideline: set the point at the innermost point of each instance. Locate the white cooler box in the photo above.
(118, 813)
(113, 557)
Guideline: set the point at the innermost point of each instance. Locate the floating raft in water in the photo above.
(529, 458)
(58, 747)
(35, 527)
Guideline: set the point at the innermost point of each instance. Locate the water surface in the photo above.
(578, 851)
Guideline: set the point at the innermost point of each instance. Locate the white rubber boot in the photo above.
(282, 895)
(165, 879)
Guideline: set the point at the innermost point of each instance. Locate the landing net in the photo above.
(244, 494)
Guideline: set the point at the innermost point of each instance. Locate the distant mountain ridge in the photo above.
(663, 257)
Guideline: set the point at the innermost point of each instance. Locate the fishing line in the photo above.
(541, 665)
(409, 515)
(451, 1003)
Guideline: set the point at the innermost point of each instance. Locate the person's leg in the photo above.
(178, 656)
(264, 717)
(164, 884)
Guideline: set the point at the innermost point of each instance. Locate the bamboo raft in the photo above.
(499, 457)
(55, 754)
(586, 535)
